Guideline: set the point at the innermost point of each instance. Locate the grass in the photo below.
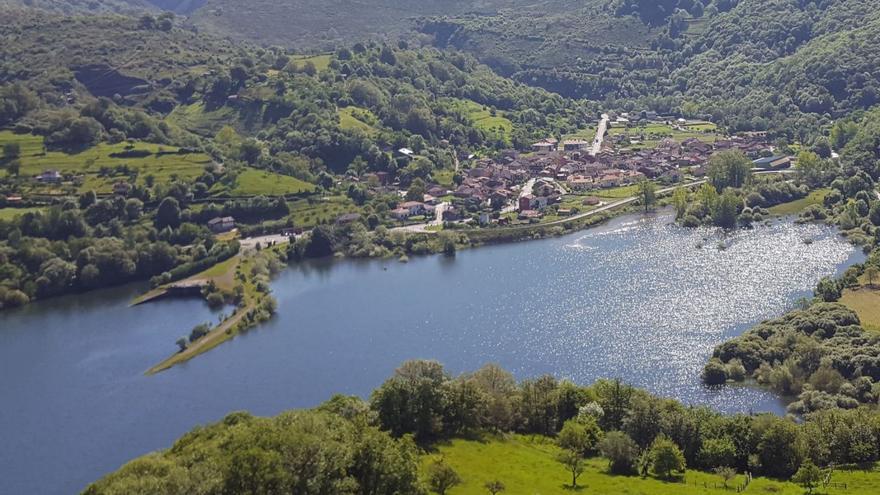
(254, 182)
(616, 192)
(222, 273)
(526, 466)
(354, 118)
(653, 133)
(588, 134)
(444, 177)
(321, 62)
(483, 119)
(865, 301)
(35, 159)
(197, 119)
(307, 213)
(7, 214)
(794, 207)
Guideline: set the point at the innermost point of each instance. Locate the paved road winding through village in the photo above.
(600, 135)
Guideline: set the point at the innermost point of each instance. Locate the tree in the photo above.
(729, 168)
(87, 199)
(828, 289)
(780, 448)
(573, 462)
(255, 471)
(808, 476)
(494, 487)
(811, 168)
(726, 208)
(322, 242)
(11, 151)
(416, 191)
(666, 457)
(647, 193)
(182, 343)
(168, 214)
(620, 450)
(679, 201)
(575, 436)
(726, 473)
(871, 273)
(441, 477)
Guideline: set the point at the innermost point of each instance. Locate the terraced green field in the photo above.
(161, 162)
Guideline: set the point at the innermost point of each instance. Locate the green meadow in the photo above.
(161, 162)
(355, 118)
(527, 466)
(252, 182)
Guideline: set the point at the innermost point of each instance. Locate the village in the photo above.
(559, 178)
(554, 179)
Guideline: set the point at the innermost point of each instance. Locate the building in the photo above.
(414, 207)
(121, 188)
(575, 145)
(221, 224)
(772, 162)
(50, 177)
(400, 214)
(545, 146)
(347, 218)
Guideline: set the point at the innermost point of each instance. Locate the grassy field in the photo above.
(866, 303)
(444, 177)
(526, 466)
(321, 62)
(163, 167)
(254, 182)
(483, 118)
(616, 192)
(10, 213)
(354, 118)
(197, 119)
(307, 213)
(588, 134)
(794, 207)
(650, 135)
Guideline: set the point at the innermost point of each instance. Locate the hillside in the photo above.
(326, 24)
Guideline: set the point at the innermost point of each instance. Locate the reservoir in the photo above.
(637, 299)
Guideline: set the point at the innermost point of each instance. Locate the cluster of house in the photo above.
(665, 162)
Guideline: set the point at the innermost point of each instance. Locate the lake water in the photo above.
(634, 299)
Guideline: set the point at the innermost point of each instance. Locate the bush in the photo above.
(714, 373)
(621, 452)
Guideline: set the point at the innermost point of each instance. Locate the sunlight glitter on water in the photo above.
(651, 305)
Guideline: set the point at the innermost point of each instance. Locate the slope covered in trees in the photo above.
(348, 445)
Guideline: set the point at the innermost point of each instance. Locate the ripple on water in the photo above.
(640, 301)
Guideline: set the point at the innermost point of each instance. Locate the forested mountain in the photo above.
(786, 65)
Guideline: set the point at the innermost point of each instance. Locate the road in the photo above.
(612, 205)
(422, 227)
(600, 135)
(250, 243)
